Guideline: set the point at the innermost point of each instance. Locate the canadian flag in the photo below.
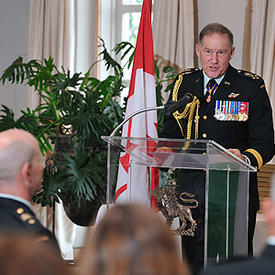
(133, 185)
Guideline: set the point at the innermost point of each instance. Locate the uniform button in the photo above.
(204, 117)
(204, 135)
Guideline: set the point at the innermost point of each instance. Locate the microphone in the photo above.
(169, 108)
(172, 106)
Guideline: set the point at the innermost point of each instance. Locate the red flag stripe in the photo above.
(143, 59)
(121, 190)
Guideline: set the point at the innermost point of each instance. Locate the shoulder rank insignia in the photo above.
(19, 210)
(25, 217)
(189, 70)
(42, 239)
(249, 74)
(233, 95)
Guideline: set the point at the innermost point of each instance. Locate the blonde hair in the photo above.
(131, 239)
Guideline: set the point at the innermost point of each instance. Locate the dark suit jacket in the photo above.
(254, 137)
(264, 265)
(16, 217)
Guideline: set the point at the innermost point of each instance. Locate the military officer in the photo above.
(20, 177)
(234, 110)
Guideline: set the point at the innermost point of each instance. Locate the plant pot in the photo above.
(84, 215)
(63, 144)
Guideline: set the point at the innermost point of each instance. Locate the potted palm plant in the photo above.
(75, 111)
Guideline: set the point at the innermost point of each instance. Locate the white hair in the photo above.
(12, 157)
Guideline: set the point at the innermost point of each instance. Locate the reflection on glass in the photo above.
(132, 2)
(130, 24)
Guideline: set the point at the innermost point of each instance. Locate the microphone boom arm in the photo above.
(134, 114)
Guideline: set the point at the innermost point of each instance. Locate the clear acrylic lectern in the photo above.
(226, 184)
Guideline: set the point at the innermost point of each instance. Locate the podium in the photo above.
(226, 184)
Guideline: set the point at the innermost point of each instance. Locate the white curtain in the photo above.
(259, 43)
(52, 33)
(173, 30)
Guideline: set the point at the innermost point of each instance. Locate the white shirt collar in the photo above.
(270, 240)
(207, 78)
(8, 196)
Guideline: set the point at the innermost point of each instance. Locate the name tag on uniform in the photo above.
(231, 110)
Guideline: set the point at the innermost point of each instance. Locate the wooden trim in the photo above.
(265, 175)
(97, 28)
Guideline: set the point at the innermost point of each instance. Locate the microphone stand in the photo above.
(108, 195)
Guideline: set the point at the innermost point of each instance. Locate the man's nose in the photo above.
(214, 57)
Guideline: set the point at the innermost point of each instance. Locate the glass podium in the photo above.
(226, 184)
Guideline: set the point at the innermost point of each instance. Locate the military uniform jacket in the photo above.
(16, 217)
(264, 265)
(251, 133)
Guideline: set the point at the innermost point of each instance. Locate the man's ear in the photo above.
(232, 52)
(198, 48)
(25, 172)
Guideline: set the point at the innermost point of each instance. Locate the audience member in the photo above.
(265, 263)
(24, 255)
(131, 240)
(21, 173)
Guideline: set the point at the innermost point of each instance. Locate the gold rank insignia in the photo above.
(227, 83)
(42, 239)
(31, 221)
(19, 211)
(233, 95)
(189, 71)
(24, 217)
(262, 86)
(253, 76)
(249, 74)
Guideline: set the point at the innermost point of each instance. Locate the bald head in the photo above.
(13, 135)
(20, 161)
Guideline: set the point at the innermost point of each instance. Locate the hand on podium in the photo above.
(237, 153)
(162, 153)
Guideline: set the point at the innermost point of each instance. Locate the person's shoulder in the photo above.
(243, 74)
(189, 72)
(17, 213)
(247, 80)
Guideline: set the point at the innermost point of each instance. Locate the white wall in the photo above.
(230, 13)
(85, 35)
(14, 16)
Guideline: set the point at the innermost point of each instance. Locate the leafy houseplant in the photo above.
(75, 111)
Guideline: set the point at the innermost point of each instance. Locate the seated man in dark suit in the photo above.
(265, 263)
(21, 171)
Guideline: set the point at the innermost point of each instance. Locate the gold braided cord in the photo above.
(175, 97)
(189, 111)
(197, 119)
(176, 88)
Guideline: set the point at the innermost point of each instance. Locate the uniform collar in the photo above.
(16, 198)
(270, 240)
(207, 78)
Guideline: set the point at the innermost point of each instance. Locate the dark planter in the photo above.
(84, 215)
